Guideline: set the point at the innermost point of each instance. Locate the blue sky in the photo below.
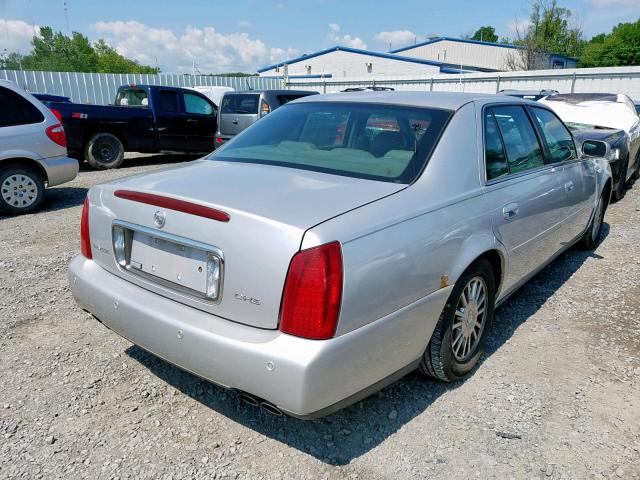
(247, 34)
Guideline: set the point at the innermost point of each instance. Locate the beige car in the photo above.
(33, 151)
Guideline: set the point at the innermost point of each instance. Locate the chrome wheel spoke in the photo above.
(469, 319)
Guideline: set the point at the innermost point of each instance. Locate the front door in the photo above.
(201, 121)
(524, 189)
(171, 122)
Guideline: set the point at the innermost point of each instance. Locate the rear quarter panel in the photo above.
(397, 250)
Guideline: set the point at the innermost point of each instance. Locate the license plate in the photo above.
(188, 266)
(169, 261)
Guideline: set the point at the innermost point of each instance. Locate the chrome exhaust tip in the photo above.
(271, 408)
(248, 399)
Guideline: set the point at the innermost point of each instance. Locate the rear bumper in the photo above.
(304, 378)
(59, 169)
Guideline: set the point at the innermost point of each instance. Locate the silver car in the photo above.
(33, 151)
(340, 242)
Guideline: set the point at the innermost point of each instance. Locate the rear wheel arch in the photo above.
(116, 132)
(27, 163)
(497, 262)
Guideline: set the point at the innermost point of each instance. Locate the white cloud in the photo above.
(16, 35)
(244, 24)
(346, 40)
(397, 38)
(211, 50)
(516, 27)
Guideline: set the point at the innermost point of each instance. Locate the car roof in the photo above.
(278, 92)
(443, 100)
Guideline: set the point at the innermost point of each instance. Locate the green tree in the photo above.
(54, 51)
(485, 34)
(619, 48)
(548, 31)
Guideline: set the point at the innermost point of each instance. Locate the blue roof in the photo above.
(452, 39)
(353, 50)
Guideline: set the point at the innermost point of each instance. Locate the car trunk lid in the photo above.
(269, 208)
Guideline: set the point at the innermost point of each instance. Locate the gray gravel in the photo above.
(557, 395)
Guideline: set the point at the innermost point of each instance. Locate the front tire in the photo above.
(21, 190)
(618, 193)
(104, 151)
(464, 325)
(591, 238)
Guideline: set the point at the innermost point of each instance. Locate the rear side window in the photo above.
(283, 99)
(17, 110)
(240, 103)
(519, 138)
(494, 148)
(556, 136)
(168, 101)
(197, 104)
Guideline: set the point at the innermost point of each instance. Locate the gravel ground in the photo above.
(557, 394)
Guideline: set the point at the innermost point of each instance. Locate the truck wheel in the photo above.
(462, 330)
(21, 190)
(104, 151)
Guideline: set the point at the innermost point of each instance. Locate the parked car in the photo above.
(371, 88)
(608, 113)
(239, 110)
(213, 93)
(528, 94)
(33, 153)
(306, 265)
(145, 118)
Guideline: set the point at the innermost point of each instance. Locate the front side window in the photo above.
(556, 136)
(197, 104)
(17, 110)
(373, 141)
(520, 141)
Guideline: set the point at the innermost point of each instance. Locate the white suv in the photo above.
(33, 151)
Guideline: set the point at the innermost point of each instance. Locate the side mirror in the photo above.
(595, 148)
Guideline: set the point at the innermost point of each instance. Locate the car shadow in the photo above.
(58, 198)
(345, 435)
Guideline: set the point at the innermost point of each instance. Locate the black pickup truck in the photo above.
(145, 118)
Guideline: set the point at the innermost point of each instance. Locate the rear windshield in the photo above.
(373, 141)
(132, 97)
(240, 103)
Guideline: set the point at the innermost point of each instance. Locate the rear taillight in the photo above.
(85, 242)
(219, 139)
(57, 135)
(313, 293)
(266, 108)
(57, 114)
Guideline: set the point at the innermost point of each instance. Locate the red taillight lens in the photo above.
(57, 114)
(57, 135)
(313, 293)
(85, 242)
(219, 139)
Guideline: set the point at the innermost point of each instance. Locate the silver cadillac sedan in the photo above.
(340, 242)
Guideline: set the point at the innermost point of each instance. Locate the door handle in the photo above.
(192, 120)
(510, 211)
(568, 186)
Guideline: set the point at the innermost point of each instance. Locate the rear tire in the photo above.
(21, 190)
(591, 238)
(618, 193)
(464, 325)
(636, 172)
(104, 151)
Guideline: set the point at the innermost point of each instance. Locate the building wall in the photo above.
(340, 64)
(471, 54)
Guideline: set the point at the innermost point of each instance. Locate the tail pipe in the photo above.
(254, 401)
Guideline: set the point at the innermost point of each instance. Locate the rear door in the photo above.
(523, 188)
(171, 122)
(238, 111)
(577, 176)
(201, 118)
